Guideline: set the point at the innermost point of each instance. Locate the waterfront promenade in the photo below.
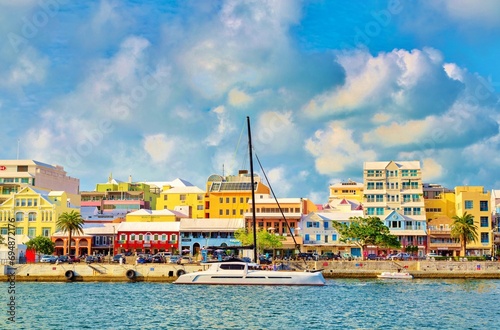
(103, 272)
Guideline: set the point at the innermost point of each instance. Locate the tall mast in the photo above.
(254, 222)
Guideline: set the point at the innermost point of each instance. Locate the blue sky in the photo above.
(161, 89)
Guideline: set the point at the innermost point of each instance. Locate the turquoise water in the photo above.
(342, 304)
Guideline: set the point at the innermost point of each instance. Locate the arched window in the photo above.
(19, 216)
(32, 216)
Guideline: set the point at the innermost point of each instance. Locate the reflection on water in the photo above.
(342, 304)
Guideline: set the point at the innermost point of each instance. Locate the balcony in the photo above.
(439, 231)
(444, 246)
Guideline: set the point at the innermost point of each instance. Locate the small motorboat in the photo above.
(396, 275)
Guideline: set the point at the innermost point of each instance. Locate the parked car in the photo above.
(401, 256)
(328, 256)
(48, 259)
(116, 258)
(265, 261)
(488, 257)
(91, 259)
(372, 256)
(184, 260)
(141, 260)
(74, 259)
(157, 259)
(62, 259)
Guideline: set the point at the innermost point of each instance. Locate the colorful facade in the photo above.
(35, 210)
(118, 195)
(393, 192)
(440, 210)
(15, 174)
(350, 190)
(228, 196)
(147, 237)
(186, 199)
(477, 202)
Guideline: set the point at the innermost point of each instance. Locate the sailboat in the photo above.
(239, 272)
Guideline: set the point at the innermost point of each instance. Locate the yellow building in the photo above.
(475, 201)
(186, 199)
(154, 216)
(440, 209)
(349, 190)
(228, 196)
(35, 211)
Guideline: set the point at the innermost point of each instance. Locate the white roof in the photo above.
(335, 216)
(187, 190)
(153, 212)
(347, 184)
(148, 226)
(212, 224)
(414, 165)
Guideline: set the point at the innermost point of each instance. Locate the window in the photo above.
(173, 237)
(19, 231)
(306, 237)
(165, 197)
(483, 206)
(141, 237)
(370, 211)
(123, 237)
(334, 237)
(325, 224)
(23, 202)
(221, 200)
(199, 207)
(380, 211)
(32, 216)
(469, 205)
(379, 185)
(370, 185)
(221, 212)
(234, 199)
(199, 197)
(485, 238)
(19, 216)
(227, 212)
(182, 197)
(309, 224)
(155, 237)
(227, 199)
(163, 237)
(132, 237)
(31, 232)
(484, 222)
(46, 232)
(4, 231)
(318, 237)
(30, 202)
(22, 168)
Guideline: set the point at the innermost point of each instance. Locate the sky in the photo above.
(161, 89)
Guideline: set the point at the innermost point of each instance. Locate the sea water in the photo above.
(341, 304)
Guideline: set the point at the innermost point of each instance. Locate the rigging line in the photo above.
(297, 246)
(237, 148)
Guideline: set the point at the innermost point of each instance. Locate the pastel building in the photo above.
(393, 191)
(119, 195)
(495, 203)
(228, 196)
(95, 239)
(147, 237)
(476, 201)
(35, 211)
(197, 234)
(349, 189)
(186, 198)
(440, 210)
(16, 174)
(319, 234)
(273, 215)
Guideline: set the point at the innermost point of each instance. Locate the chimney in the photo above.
(130, 179)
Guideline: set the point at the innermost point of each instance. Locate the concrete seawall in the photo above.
(98, 272)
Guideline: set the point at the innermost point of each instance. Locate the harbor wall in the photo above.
(102, 272)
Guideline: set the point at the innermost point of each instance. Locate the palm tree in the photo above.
(70, 222)
(463, 228)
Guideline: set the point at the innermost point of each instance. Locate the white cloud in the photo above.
(238, 98)
(280, 182)
(335, 150)
(275, 132)
(431, 170)
(484, 12)
(222, 129)
(159, 147)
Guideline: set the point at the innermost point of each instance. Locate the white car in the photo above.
(431, 255)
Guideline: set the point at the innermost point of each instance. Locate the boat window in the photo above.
(232, 266)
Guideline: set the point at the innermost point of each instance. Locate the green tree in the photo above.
(41, 245)
(70, 222)
(366, 231)
(464, 229)
(265, 240)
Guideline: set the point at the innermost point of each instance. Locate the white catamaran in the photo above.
(238, 272)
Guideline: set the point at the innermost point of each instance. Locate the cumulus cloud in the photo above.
(238, 98)
(404, 83)
(335, 149)
(485, 12)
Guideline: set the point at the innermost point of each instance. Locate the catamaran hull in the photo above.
(254, 278)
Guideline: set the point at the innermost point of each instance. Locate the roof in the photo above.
(347, 184)
(149, 226)
(336, 216)
(184, 189)
(211, 224)
(154, 212)
(382, 165)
